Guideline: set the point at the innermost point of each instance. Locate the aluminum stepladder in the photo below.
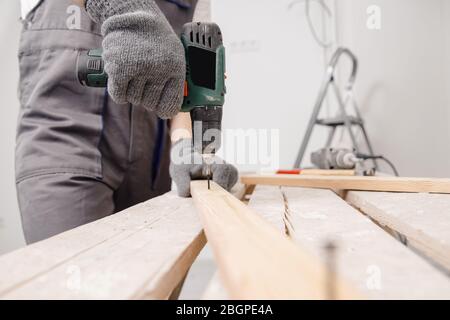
(343, 118)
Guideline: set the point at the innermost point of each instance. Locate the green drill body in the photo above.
(204, 92)
(205, 66)
(205, 79)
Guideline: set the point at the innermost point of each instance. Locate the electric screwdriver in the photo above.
(204, 91)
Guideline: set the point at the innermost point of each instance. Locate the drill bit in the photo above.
(208, 174)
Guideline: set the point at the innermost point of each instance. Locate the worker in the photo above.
(81, 153)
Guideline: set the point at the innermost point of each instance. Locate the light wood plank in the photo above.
(140, 253)
(377, 264)
(215, 289)
(424, 219)
(254, 260)
(318, 172)
(391, 184)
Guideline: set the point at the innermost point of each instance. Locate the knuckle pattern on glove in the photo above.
(145, 61)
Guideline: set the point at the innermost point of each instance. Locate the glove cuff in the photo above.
(100, 10)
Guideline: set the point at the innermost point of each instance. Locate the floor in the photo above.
(198, 277)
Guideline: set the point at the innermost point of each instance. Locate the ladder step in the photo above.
(339, 121)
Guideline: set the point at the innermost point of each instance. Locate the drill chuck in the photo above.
(207, 128)
(330, 158)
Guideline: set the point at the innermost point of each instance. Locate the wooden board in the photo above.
(255, 261)
(269, 211)
(140, 253)
(377, 264)
(424, 219)
(391, 184)
(318, 172)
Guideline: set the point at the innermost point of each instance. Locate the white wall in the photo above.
(10, 230)
(403, 84)
(446, 13)
(402, 87)
(274, 69)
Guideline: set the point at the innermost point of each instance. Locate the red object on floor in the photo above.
(295, 171)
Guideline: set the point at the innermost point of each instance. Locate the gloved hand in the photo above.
(144, 58)
(187, 165)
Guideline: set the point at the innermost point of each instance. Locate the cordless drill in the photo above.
(342, 158)
(204, 92)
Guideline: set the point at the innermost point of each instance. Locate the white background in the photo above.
(274, 72)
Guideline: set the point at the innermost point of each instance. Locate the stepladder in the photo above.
(349, 119)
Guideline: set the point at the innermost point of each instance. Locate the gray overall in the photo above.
(79, 156)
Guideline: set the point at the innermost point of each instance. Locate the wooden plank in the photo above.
(254, 260)
(140, 253)
(374, 262)
(424, 219)
(318, 172)
(391, 184)
(270, 212)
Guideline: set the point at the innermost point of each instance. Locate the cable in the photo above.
(366, 157)
(313, 30)
(326, 46)
(321, 43)
(391, 165)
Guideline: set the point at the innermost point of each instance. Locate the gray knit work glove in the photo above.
(187, 165)
(144, 58)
